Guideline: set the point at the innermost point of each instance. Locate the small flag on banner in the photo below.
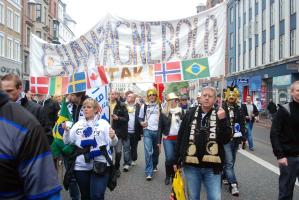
(96, 77)
(58, 85)
(39, 85)
(168, 72)
(196, 68)
(77, 83)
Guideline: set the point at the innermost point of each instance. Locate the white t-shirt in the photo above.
(151, 117)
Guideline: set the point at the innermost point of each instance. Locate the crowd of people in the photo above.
(201, 139)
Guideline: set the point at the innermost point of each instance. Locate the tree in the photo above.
(175, 87)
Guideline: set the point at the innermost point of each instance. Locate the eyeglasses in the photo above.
(152, 95)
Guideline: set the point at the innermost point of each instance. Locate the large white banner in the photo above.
(119, 44)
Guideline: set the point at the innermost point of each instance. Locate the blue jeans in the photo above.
(194, 176)
(287, 178)
(151, 152)
(249, 126)
(169, 146)
(230, 150)
(92, 187)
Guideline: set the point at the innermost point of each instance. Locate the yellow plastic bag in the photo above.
(178, 186)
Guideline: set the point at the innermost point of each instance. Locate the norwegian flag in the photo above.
(39, 85)
(168, 72)
(96, 77)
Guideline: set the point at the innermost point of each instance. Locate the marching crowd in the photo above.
(200, 139)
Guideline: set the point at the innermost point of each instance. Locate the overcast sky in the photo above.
(88, 12)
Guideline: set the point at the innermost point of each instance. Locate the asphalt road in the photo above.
(256, 182)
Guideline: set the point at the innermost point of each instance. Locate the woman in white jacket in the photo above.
(96, 136)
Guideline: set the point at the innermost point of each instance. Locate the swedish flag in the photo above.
(77, 82)
(195, 68)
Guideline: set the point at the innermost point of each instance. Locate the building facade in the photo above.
(10, 37)
(66, 24)
(263, 48)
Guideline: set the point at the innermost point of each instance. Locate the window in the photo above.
(2, 45)
(2, 14)
(38, 12)
(9, 48)
(256, 59)
(293, 42)
(45, 15)
(263, 20)
(16, 55)
(249, 59)
(55, 29)
(9, 18)
(231, 15)
(249, 30)
(231, 64)
(39, 34)
(281, 9)
(26, 66)
(264, 53)
(28, 36)
(272, 14)
(244, 61)
(292, 6)
(272, 50)
(17, 24)
(231, 37)
(256, 25)
(281, 46)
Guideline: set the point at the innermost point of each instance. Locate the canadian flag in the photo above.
(96, 77)
(39, 85)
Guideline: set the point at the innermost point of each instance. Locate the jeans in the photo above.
(169, 146)
(73, 187)
(249, 126)
(195, 176)
(287, 178)
(230, 150)
(122, 144)
(92, 187)
(134, 145)
(151, 151)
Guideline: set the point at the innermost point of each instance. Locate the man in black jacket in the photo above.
(237, 122)
(250, 112)
(134, 128)
(284, 137)
(272, 108)
(202, 134)
(12, 84)
(119, 118)
(26, 166)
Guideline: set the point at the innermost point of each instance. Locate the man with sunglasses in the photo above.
(149, 120)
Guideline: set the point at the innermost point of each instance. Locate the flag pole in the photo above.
(222, 86)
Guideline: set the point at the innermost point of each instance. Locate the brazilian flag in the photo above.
(58, 148)
(195, 68)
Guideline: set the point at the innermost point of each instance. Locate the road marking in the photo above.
(262, 162)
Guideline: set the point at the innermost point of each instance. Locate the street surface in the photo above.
(256, 172)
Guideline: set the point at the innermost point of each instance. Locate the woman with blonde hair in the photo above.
(169, 124)
(94, 137)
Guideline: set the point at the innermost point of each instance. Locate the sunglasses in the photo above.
(152, 95)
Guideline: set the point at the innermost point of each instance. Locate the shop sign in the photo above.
(9, 70)
(282, 80)
(243, 80)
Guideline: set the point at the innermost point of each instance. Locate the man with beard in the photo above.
(237, 122)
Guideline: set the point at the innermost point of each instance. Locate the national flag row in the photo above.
(182, 70)
(78, 82)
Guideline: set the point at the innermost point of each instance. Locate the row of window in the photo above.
(271, 52)
(10, 48)
(12, 20)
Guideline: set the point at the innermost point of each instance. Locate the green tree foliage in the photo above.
(175, 87)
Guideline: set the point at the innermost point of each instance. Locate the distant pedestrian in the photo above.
(27, 169)
(284, 137)
(251, 112)
(184, 103)
(272, 108)
(199, 150)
